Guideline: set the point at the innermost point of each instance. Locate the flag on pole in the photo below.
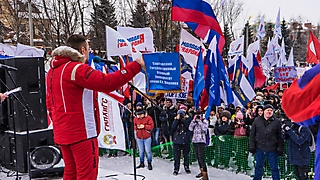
(282, 57)
(277, 27)
(270, 56)
(261, 29)
(112, 132)
(226, 86)
(313, 54)
(189, 48)
(256, 77)
(222, 2)
(198, 81)
(212, 82)
(216, 75)
(140, 38)
(301, 104)
(199, 16)
(241, 87)
(231, 67)
(290, 61)
(236, 47)
(117, 45)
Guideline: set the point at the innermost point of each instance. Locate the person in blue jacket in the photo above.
(299, 139)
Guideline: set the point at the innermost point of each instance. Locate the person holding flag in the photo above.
(69, 99)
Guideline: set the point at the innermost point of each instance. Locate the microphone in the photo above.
(106, 61)
(8, 68)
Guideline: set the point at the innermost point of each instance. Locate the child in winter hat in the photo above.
(239, 115)
(226, 114)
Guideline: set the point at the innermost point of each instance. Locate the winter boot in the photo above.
(149, 166)
(187, 169)
(205, 176)
(175, 172)
(141, 165)
(200, 174)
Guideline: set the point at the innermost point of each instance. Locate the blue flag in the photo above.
(198, 80)
(212, 82)
(224, 78)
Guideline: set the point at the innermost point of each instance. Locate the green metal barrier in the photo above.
(230, 153)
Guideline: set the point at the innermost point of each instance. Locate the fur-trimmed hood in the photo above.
(66, 51)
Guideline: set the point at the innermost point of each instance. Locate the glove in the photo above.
(280, 153)
(252, 151)
(285, 127)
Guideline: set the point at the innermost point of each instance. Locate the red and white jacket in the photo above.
(69, 97)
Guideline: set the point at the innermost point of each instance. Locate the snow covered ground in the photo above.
(122, 166)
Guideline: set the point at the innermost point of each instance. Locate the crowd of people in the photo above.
(262, 121)
(72, 86)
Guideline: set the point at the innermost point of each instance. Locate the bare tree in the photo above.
(63, 16)
(16, 17)
(231, 12)
(166, 32)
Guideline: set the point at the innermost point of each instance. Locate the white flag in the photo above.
(277, 27)
(28, 51)
(282, 57)
(189, 47)
(270, 58)
(253, 49)
(236, 47)
(222, 2)
(112, 132)
(7, 50)
(261, 29)
(140, 38)
(290, 58)
(118, 45)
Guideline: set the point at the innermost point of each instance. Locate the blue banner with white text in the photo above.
(163, 72)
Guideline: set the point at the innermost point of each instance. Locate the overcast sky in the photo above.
(309, 10)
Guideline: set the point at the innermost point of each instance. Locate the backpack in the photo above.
(312, 144)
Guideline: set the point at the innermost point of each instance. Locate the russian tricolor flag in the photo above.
(199, 16)
(301, 103)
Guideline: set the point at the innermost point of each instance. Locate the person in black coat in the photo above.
(266, 142)
(224, 128)
(299, 138)
(181, 140)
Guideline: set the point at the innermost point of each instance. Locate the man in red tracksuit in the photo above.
(70, 103)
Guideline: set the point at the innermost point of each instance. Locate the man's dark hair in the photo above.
(76, 41)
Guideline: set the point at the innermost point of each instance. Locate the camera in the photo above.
(198, 117)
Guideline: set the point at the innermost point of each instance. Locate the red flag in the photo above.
(313, 54)
(274, 87)
(260, 78)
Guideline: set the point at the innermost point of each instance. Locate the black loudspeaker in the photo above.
(42, 152)
(30, 77)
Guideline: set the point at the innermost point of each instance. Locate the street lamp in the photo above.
(247, 33)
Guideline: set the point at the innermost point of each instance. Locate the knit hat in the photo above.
(259, 98)
(268, 106)
(239, 115)
(181, 112)
(226, 114)
(260, 94)
(139, 104)
(183, 107)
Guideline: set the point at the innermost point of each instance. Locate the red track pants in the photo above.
(81, 160)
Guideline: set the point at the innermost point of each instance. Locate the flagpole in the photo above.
(132, 88)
